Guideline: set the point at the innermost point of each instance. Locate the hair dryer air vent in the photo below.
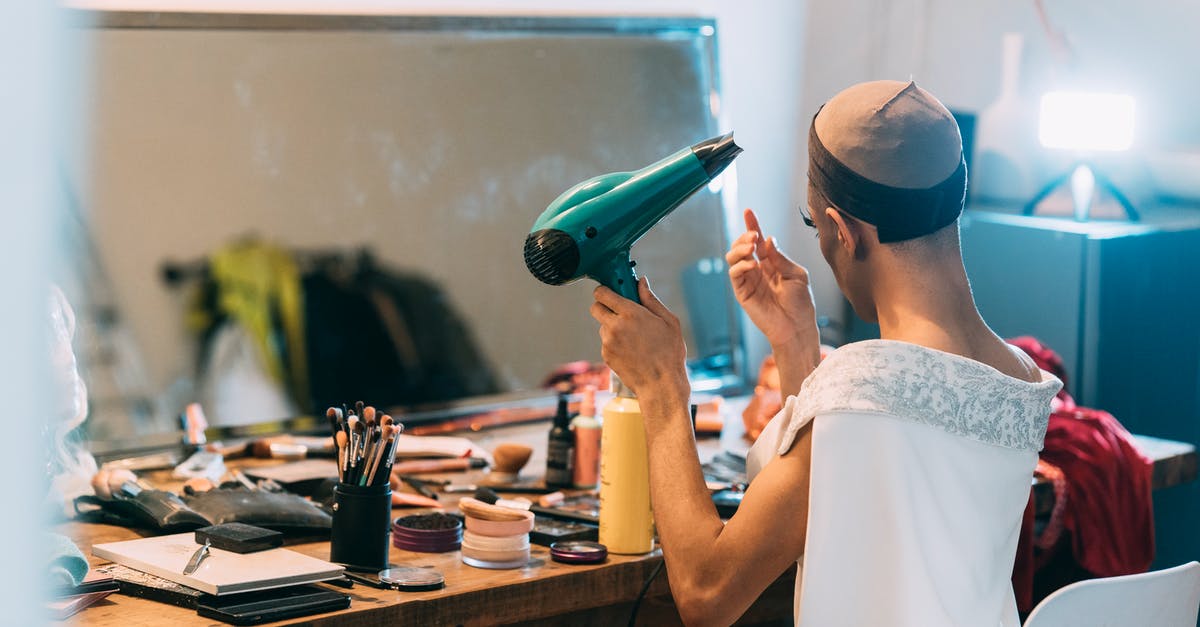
(552, 256)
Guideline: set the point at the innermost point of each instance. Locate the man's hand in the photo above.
(773, 289)
(643, 344)
(775, 293)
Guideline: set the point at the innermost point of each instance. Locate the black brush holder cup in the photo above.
(362, 520)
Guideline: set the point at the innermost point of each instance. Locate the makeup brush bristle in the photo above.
(510, 457)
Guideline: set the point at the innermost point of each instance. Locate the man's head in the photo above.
(886, 183)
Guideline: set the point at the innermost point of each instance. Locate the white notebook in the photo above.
(222, 572)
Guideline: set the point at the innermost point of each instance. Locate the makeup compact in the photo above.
(547, 531)
(498, 552)
(427, 533)
(410, 579)
(578, 552)
(496, 537)
(499, 528)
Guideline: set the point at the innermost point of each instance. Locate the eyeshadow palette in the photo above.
(546, 531)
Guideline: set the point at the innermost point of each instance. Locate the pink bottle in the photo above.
(587, 430)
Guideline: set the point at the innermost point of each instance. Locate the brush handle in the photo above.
(434, 465)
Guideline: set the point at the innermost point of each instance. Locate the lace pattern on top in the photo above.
(958, 395)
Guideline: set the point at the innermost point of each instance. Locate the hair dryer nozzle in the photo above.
(716, 153)
(551, 256)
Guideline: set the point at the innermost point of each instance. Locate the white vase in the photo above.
(1005, 138)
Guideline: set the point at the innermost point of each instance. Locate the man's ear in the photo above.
(849, 232)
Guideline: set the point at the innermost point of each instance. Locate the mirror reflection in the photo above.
(274, 214)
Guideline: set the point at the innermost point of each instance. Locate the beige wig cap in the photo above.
(889, 154)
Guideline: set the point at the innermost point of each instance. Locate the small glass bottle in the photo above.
(560, 454)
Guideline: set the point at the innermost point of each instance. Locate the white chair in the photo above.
(1163, 598)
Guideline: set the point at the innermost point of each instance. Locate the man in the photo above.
(898, 470)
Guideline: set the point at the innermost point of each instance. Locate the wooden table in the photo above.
(543, 592)
(540, 590)
(1175, 463)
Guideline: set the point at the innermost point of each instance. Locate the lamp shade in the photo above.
(1086, 122)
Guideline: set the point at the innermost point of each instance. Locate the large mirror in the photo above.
(274, 213)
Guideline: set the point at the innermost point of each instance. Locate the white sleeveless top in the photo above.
(922, 463)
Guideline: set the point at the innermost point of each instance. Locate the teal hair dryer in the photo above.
(589, 229)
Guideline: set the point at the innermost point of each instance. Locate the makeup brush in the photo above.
(331, 416)
(389, 453)
(491, 498)
(385, 437)
(386, 420)
(507, 461)
(355, 434)
(372, 437)
(378, 450)
(342, 441)
(388, 456)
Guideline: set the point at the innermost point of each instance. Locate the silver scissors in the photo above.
(197, 557)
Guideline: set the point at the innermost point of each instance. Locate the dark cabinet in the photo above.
(1119, 302)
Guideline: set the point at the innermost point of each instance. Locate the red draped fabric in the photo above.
(1103, 511)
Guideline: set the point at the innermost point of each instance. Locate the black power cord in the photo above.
(645, 587)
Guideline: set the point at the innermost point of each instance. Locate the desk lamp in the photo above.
(1085, 124)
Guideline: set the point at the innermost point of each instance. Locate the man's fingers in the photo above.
(601, 312)
(752, 222)
(100, 485)
(747, 236)
(760, 242)
(743, 267)
(741, 249)
(650, 301)
(614, 301)
(743, 273)
(778, 261)
(773, 260)
(745, 239)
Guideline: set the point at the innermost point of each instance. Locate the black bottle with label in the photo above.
(560, 455)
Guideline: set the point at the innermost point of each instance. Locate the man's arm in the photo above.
(717, 570)
(795, 361)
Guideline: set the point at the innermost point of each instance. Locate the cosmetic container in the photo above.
(362, 520)
(626, 522)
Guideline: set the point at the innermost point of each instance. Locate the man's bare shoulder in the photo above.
(986, 348)
(1023, 368)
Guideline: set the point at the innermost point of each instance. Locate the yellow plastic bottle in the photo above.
(626, 521)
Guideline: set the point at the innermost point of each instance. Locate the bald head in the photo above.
(889, 153)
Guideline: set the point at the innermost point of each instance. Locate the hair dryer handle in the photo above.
(618, 275)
